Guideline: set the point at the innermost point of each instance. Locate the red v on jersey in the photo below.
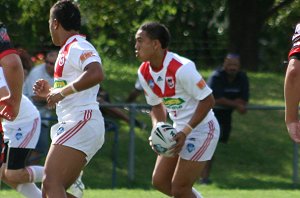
(59, 67)
(170, 78)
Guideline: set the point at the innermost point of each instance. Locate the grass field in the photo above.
(256, 163)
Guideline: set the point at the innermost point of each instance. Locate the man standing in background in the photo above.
(231, 91)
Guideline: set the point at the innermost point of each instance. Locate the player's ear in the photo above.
(156, 44)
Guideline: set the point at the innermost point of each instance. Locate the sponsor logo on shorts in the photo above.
(60, 130)
(190, 147)
(19, 136)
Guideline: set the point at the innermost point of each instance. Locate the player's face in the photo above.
(144, 46)
(52, 24)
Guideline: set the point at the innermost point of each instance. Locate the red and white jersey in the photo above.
(178, 85)
(296, 41)
(73, 57)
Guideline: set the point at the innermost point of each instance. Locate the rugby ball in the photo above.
(162, 136)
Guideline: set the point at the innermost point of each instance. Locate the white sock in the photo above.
(198, 195)
(36, 173)
(29, 190)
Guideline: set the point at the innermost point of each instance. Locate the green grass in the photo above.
(257, 161)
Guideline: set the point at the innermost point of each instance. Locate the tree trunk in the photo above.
(244, 28)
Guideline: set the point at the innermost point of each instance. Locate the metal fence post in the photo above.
(131, 154)
(295, 165)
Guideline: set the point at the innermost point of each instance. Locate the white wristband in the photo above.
(73, 88)
(189, 126)
(62, 94)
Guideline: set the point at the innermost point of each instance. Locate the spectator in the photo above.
(42, 71)
(138, 90)
(115, 112)
(292, 88)
(171, 82)
(231, 91)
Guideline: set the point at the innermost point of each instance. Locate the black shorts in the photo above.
(15, 158)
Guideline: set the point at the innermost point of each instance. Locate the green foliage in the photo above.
(199, 28)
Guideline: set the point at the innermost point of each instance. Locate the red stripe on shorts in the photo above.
(70, 133)
(206, 143)
(29, 135)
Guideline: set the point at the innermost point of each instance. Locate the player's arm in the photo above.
(292, 91)
(92, 75)
(13, 71)
(203, 107)
(158, 114)
(292, 98)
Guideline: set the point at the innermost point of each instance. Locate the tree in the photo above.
(246, 22)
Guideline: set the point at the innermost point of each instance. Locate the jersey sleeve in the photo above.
(151, 98)
(295, 50)
(193, 82)
(84, 54)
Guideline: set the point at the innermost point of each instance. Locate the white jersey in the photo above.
(178, 85)
(71, 61)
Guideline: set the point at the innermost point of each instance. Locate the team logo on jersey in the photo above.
(59, 83)
(159, 78)
(201, 84)
(60, 130)
(170, 81)
(190, 147)
(85, 56)
(151, 83)
(60, 66)
(173, 103)
(19, 136)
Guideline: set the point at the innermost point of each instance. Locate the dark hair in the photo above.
(67, 14)
(26, 59)
(157, 31)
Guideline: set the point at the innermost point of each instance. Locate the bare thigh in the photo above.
(63, 164)
(187, 172)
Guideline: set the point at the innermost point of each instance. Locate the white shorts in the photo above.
(201, 143)
(84, 131)
(23, 135)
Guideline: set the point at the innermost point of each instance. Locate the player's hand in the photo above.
(54, 97)
(294, 131)
(180, 140)
(6, 111)
(150, 143)
(41, 88)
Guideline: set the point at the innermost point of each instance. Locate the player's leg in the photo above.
(185, 175)
(163, 173)
(16, 175)
(199, 147)
(62, 167)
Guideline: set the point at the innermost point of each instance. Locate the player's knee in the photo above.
(15, 176)
(180, 190)
(48, 182)
(156, 182)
